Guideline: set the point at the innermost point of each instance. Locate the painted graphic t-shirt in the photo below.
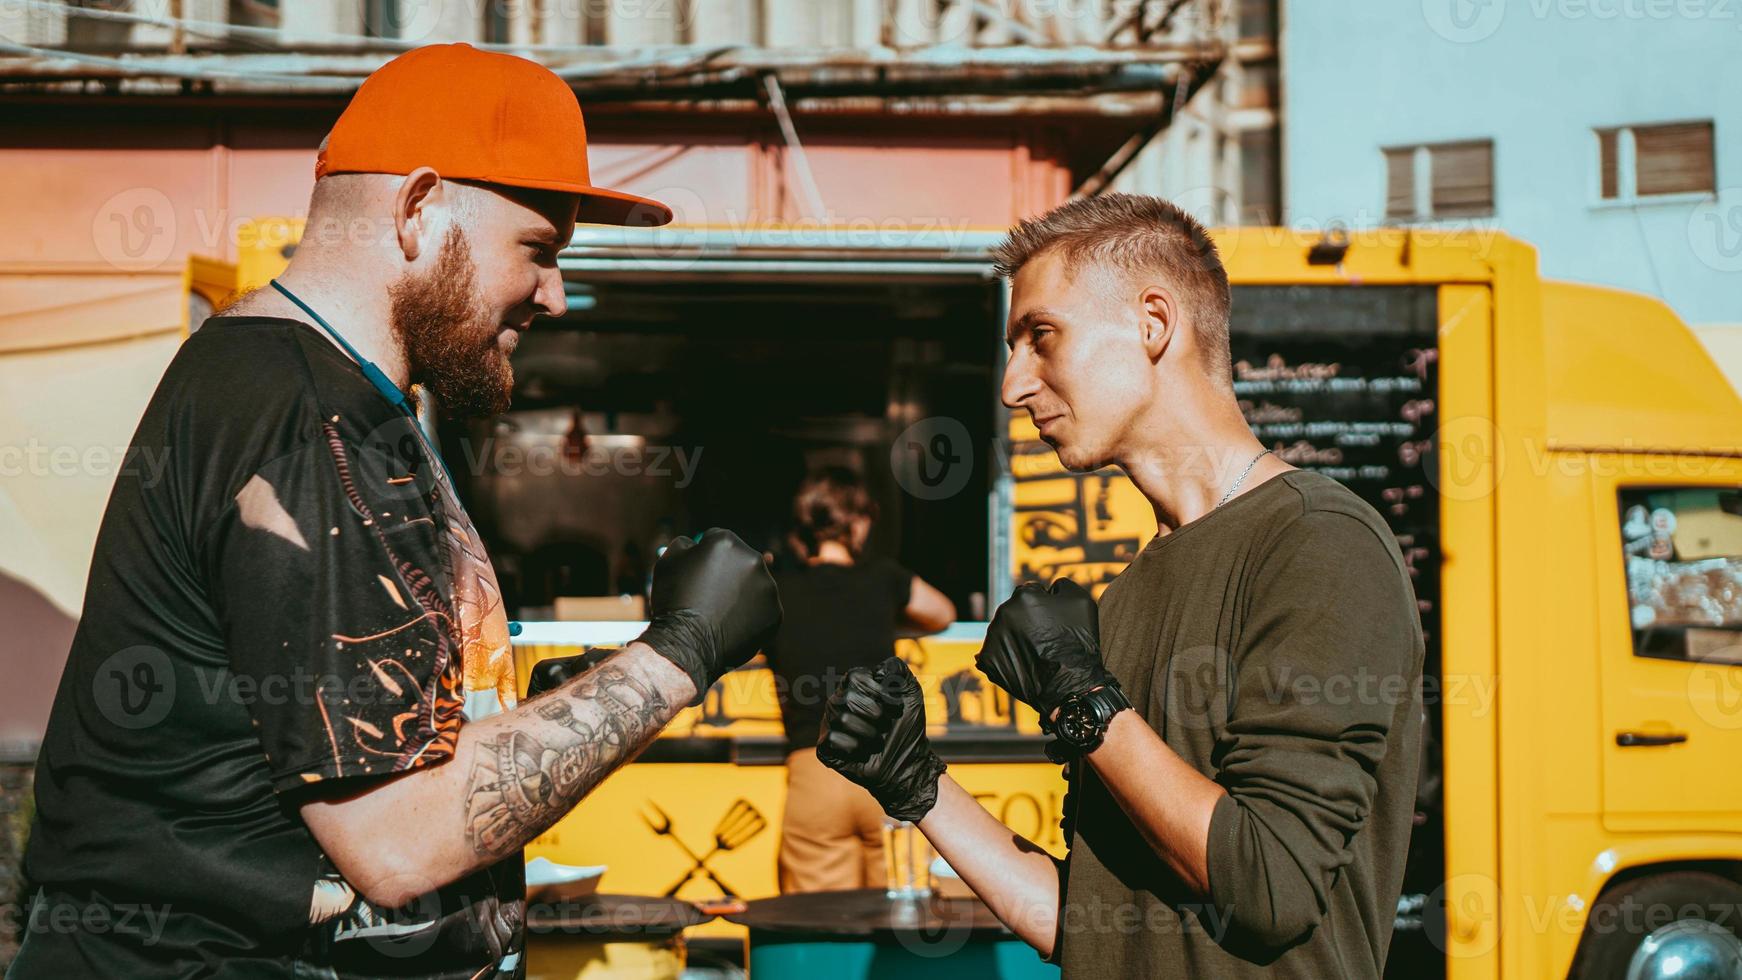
(286, 601)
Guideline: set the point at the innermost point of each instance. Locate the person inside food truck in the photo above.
(1238, 716)
(842, 611)
(287, 741)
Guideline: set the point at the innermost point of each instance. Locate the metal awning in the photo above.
(679, 253)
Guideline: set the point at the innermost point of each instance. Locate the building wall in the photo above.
(808, 24)
(1537, 78)
(145, 189)
(1217, 158)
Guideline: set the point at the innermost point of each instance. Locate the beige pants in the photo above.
(832, 833)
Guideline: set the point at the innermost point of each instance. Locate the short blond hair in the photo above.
(1135, 234)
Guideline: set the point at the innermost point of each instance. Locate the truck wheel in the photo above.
(1682, 924)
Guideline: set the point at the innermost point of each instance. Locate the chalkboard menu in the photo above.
(1344, 380)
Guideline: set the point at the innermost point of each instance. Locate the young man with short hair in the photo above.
(1227, 817)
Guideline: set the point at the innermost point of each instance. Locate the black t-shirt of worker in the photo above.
(837, 617)
(285, 599)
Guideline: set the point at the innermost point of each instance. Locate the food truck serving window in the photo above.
(1683, 548)
(656, 408)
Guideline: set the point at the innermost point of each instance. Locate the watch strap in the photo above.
(1105, 702)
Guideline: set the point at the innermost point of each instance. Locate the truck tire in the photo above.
(1693, 919)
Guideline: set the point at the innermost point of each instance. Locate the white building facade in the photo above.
(1607, 133)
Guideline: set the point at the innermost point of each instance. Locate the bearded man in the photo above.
(287, 740)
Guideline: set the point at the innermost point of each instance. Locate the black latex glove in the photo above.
(714, 605)
(1044, 645)
(553, 672)
(873, 733)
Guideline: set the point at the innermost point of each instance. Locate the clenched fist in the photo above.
(714, 605)
(1044, 645)
(873, 733)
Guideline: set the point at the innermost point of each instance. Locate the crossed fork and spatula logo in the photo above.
(740, 824)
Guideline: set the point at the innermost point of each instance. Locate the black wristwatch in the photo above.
(1083, 718)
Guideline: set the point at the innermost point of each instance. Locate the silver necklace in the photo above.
(1241, 478)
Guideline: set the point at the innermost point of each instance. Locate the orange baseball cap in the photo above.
(476, 115)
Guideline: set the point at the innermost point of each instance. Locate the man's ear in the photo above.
(1160, 319)
(412, 210)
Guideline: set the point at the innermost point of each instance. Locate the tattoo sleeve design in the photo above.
(525, 778)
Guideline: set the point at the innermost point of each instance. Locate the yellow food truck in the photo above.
(1561, 464)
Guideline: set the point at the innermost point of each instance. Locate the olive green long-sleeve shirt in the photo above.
(1275, 645)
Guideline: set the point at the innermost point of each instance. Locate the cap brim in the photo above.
(601, 205)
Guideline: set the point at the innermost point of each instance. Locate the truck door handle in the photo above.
(1636, 739)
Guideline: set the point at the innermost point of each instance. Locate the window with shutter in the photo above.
(381, 18)
(1441, 180)
(92, 33)
(1674, 159)
(1257, 19)
(1609, 162)
(1257, 88)
(1259, 177)
(496, 27)
(1463, 179)
(254, 13)
(1400, 182)
(1658, 160)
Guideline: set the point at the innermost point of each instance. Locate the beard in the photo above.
(447, 338)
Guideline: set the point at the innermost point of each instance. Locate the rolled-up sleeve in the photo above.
(1328, 644)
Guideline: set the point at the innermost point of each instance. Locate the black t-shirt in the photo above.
(285, 593)
(837, 617)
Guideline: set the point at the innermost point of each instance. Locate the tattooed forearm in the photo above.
(526, 777)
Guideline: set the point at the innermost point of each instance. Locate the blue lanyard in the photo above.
(373, 374)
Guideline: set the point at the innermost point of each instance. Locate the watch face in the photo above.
(1076, 721)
